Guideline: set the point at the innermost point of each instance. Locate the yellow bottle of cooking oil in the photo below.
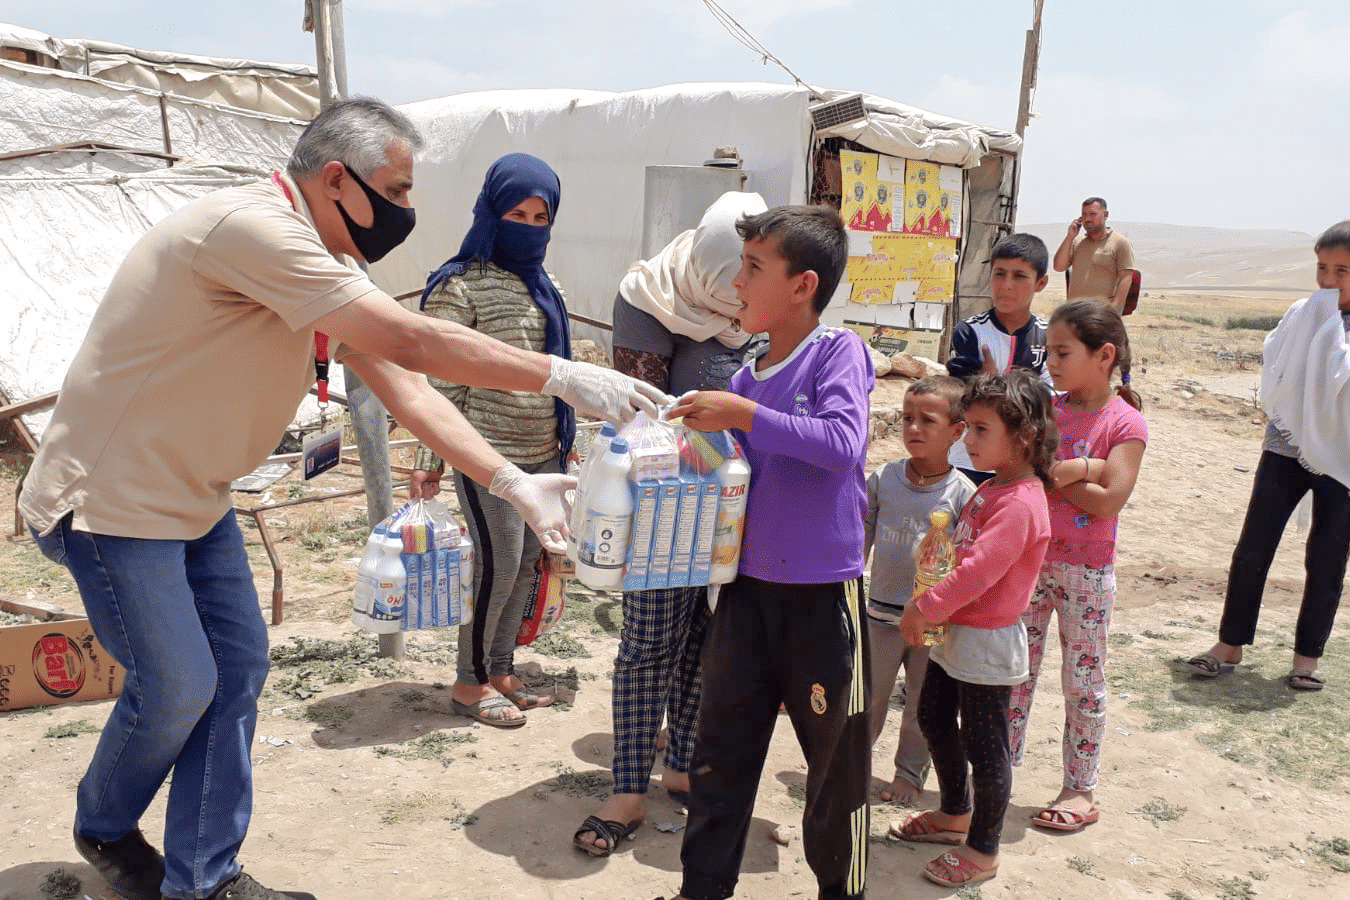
(933, 560)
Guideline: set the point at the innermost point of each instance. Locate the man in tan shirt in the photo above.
(130, 488)
(1100, 261)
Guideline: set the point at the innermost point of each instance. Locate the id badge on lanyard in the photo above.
(321, 450)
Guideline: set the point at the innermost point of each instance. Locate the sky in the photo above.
(1230, 114)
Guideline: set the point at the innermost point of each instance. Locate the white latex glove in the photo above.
(601, 393)
(539, 500)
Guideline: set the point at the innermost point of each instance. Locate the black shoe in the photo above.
(243, 887)
(129, 864)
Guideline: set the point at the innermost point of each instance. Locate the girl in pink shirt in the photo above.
(1101, 442)
(963, 709)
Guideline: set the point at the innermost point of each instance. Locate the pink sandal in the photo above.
(951, 869)
(921, 828)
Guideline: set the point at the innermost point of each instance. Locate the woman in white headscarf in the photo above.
(675, 327)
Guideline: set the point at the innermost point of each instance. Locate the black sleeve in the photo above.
(965, 359)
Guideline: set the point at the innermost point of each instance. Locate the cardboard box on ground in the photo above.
(54, 661)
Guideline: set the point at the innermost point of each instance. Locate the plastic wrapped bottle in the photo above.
(932, 561)
(607, 524)
(599, 444)
(391, 585)
(363, 597)
(734, 474)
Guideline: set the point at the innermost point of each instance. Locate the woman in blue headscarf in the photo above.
(496, 284)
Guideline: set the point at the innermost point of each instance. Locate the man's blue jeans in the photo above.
(182, 618)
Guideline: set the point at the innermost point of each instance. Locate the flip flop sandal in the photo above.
(524, 698)
(1066, 819)
(920, 828)
(1305, 680)
(1208, 666)
(951, 869)
(489, 711)
(609, 832)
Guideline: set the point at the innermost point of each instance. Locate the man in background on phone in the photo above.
(1100, 260)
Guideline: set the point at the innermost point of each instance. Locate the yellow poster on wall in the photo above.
(904, 268)
(924, 213)
(903, 219)
(867, 203)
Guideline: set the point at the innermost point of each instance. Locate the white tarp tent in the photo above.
(276, 89)
(69, 215)
(45, 107)
(601, 143)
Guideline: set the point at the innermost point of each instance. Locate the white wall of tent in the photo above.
(152, 131)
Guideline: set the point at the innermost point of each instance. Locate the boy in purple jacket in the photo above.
(788, 628)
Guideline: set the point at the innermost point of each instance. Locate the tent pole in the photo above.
(1031, 56)
(370, 420)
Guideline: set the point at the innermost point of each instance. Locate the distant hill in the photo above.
(1182, 256)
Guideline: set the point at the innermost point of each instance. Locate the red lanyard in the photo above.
(320, 339)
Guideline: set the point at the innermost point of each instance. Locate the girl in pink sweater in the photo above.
(1000, 542)
(1101, 443)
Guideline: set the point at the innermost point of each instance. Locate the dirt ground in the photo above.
(368, 786)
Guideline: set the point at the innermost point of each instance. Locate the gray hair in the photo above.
(356, 133)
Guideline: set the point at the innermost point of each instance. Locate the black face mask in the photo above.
(390, 227)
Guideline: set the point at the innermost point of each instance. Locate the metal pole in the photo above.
(370, 420)
(1031, 55)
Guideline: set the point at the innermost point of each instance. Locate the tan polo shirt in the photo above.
(193, 366)
(1095, 266)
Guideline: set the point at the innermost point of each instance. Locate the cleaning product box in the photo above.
(686, 528)
(663, 538)
(61, 661)
(645, 496)
(414, 598)
(710, 493)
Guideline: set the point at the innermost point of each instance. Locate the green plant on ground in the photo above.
(26, 569)
(581, 784)
(1236, 889)
(308, 665)
(327, 715)
(1176, 894)
(423, 806)
(1252, 323)
(1196, 320)
(560, 644)
(434, 746)
(1082, 865)
(71, 729)
(60, 885)
(1159, 811)
(1334, 852)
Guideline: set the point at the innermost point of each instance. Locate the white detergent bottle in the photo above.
(734, 474)
(607, 524)
(390, 586)
(363, 596)
(599, 444)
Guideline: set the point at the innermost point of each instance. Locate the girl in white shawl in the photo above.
(1305, 390)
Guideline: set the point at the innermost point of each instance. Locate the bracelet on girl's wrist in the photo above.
(1087, 471)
